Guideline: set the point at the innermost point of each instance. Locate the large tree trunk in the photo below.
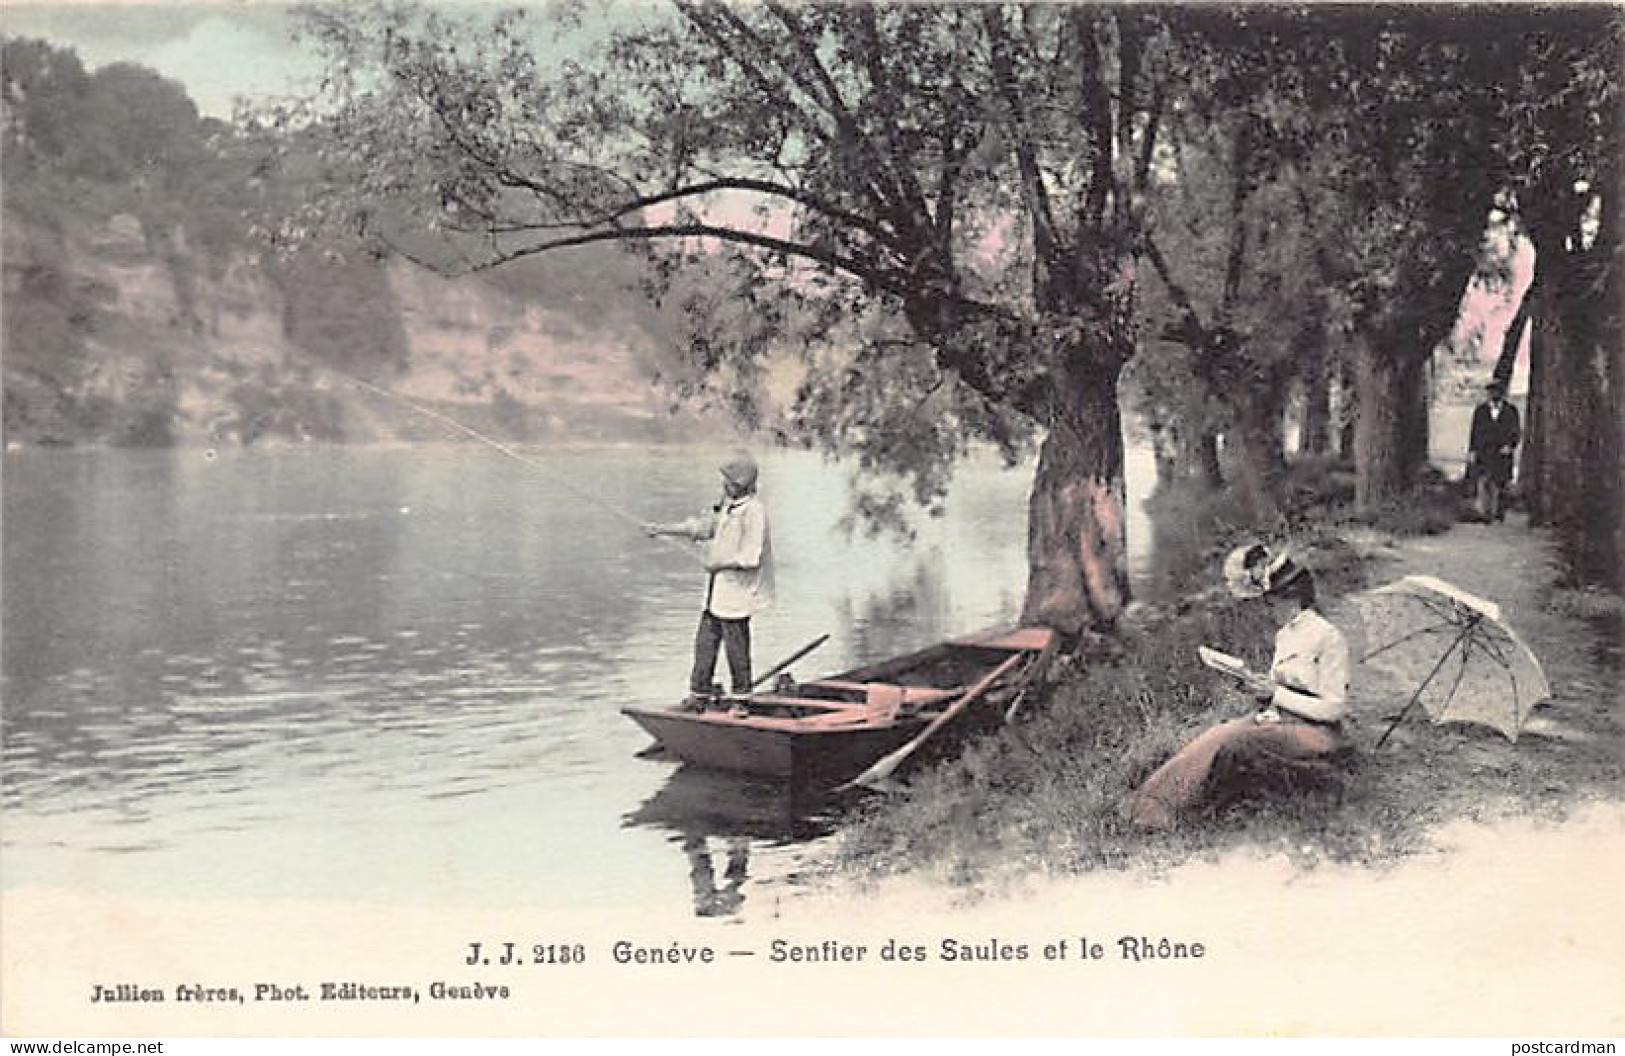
(1077, 545)
(1259, 454)
(1571, 413)
(1387, 391)
(1315, 427)
(1531, 461)
(1577, 446)
(1185, 450)
(1392, 438)
(1607, 335)
(1168, 452)
(1611, 240)
(1169, 443)
(1512, 338)
(1416, 421)
(1348, 391)
(1314, 380)
(1207, 467)
(1551, 212)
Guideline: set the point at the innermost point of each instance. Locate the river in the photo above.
(395, 673)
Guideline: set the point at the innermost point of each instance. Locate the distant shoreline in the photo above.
(287, 444)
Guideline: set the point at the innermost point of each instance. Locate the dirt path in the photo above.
(1573, 749)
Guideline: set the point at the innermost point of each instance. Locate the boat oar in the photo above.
(792, 658)
(887, 764)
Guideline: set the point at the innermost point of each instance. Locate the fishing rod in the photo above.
(517, 456)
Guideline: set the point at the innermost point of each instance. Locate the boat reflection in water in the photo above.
(717, 817)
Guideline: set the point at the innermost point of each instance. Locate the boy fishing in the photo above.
(739, 577)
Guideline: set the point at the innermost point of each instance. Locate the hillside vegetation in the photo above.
(141, 308)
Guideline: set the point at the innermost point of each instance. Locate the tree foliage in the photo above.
(931, 209)
(1240, 308)
(933, 218)
(1336, 177)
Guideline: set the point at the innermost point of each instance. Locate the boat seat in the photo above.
(886, 694)
(882, 702)
(850, 717)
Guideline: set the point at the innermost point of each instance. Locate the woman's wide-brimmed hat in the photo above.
(1253, 570)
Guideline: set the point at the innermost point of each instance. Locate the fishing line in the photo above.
(517, 456)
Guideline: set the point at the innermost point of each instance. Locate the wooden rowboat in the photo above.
(830, 729)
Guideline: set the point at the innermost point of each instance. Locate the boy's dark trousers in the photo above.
(734, 637)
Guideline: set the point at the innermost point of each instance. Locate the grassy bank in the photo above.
(1047, 792)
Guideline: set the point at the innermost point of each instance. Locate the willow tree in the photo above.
(934, 210)
(1328, 179)
(1409, 102)
(1239, 301)
(1563, 138)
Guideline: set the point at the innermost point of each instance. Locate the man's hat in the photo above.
(1253, 570)
(1495, 385)
(740, 469)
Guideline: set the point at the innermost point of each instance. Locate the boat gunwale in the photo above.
(796, 726)
(864, 714)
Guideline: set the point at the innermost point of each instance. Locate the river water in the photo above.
(394, 673)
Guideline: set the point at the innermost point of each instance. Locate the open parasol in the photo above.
(1453, 651)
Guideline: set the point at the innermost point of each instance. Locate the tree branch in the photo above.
(740, 52)
(906, 209)
(1148, 145)
(1241, 190)
(1096, 119)
(891, 120)
(1032, 180)
(1181, 297)
(1130, 35)
(1512, 338)
(872, 228)
(867, 273)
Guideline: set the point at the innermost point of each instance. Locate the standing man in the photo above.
(1490, 449)
(739, 577)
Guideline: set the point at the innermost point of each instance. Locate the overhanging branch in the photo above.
(868, 226)
(864, 272)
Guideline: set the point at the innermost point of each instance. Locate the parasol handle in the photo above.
(1467, 628)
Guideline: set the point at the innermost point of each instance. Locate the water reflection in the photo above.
(709, 899)
(913, 607)
(716, 819)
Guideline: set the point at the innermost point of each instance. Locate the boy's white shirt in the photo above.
(739, 553)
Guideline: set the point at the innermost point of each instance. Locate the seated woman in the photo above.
(1305, 694)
